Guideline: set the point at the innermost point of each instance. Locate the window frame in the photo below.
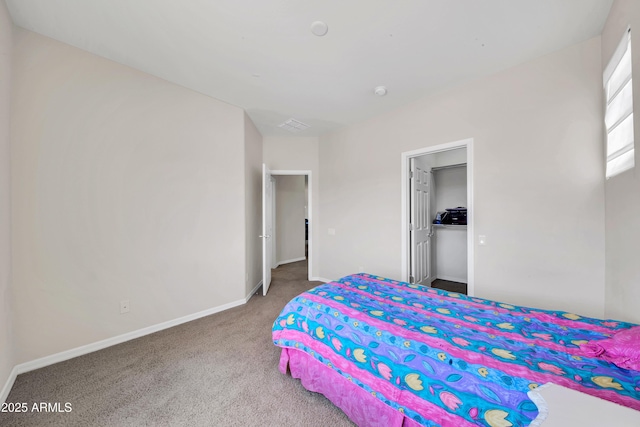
(627, 149)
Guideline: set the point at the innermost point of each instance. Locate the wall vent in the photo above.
(293, 125)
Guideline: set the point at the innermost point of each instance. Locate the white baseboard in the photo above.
(321, 279)
(452, 279)
(89, 348)
(253, 291)
(8, 385)
(288, 261)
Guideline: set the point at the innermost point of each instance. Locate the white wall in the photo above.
(124, 186)
(253, 203)
(450, 157)
(290, 201)
(299, 153)
(450, 250)
(6, 317)
(623, 191)
(450, 187)
(537, 131)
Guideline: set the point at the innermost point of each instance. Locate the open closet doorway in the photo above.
(287, 221)
(437, 217)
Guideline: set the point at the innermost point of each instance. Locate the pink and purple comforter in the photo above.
(443, 358)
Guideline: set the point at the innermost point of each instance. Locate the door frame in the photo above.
(406, 212)
(280, 172)
(267, 227)
(274, 239)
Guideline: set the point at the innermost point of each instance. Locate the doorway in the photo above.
(434, 178)
(280, 186)
(290, 219)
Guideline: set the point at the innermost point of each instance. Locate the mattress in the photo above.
(438, 358)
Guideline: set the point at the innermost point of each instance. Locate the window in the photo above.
(618, 117)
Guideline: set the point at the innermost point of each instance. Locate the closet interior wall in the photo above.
(449, 190)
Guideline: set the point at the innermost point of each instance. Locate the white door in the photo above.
(267, 228)
(420, 227)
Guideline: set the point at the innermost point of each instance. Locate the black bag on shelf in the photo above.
(458, 216)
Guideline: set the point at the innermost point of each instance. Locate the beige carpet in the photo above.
(221, 370)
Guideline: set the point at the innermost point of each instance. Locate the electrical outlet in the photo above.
(124, 306)
(331, 231)
(361, 269)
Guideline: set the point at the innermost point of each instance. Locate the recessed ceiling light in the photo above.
(319, 28)
(293, 125)
(380, 91)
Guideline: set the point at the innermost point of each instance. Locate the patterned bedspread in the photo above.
(443, 358)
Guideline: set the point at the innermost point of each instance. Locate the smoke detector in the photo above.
(293, 125)
(380, 91)
(319, 28)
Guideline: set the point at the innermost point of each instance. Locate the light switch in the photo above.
(482, 240)
(332, 231)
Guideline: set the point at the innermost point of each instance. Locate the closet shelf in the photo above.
(450, 226)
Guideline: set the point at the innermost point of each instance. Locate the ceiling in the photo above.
(262, 56)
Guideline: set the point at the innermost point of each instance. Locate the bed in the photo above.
(391, 353)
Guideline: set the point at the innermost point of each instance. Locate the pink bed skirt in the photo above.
(360, 406)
